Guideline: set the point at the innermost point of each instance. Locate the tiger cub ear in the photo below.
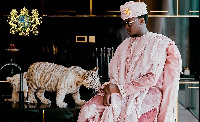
(25, 75)
(95, 69)
(8, 79)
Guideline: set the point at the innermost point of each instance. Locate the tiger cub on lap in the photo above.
(53, 77)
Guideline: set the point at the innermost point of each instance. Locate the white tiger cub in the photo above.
(53, 77)
(15, 82)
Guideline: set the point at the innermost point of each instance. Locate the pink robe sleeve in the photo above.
(170, 86)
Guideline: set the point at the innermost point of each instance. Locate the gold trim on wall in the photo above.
(193, 87)
(120, 16)
(3, 81)
(114, 11)
(188, 82)
(159, 11)
(173, 15)
(81, 37)
(91, 13)
(193, 11)
(43, 116)
(90, 7)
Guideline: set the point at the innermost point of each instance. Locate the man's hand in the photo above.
(106, 99)
(108, 89)
(111, 88)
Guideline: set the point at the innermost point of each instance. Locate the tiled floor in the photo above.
(185, 115)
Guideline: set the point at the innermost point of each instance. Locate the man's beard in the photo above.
(134, 35)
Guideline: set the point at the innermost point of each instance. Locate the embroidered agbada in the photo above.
(147, 71)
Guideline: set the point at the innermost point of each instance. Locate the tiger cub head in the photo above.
(91, 79)
(15, 82)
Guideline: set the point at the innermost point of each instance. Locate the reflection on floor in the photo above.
(185, 115)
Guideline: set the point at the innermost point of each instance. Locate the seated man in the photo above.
(144, 74)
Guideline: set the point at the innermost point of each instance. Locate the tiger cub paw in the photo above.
(80, 102)
(46, 101)
(31, 100)
(62, 105)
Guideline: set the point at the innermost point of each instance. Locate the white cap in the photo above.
(133, 9)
